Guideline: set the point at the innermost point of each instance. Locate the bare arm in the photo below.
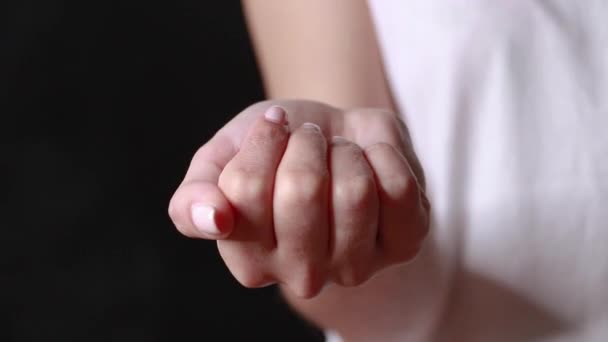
(318, 50)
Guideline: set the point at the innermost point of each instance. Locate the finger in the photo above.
(355, 213)
(301, 211)
(198, 208)
(403, 213)
(247, 182)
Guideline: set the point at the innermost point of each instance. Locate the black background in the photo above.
(102, 105)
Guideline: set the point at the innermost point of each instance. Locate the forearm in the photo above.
(318, 50)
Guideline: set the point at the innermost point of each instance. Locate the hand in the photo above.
(298, 209)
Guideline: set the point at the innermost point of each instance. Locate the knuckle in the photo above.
(252, 281)
(416, 221)
(355, 246)
(353, 268)
(403, 255)
(242, 185)
(310, 282)
(302, 187)
(358, 242)
(249, 265)
(403, 188)
(250, 277)
(355, 194)
(267, 135)
(352, 276)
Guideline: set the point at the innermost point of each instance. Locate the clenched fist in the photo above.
(303, 194)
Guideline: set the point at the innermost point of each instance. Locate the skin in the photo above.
(328, 210)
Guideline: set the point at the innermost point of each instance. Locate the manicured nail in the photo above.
(310, 125)
(336, 140)
(275, 114)
(203, 217)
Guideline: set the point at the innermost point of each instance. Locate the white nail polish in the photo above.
(310, 125)
(275, 114)
(203, 217)
(336, 139)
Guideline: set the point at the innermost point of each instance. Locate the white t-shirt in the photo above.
(507, 105)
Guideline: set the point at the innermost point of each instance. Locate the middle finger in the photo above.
(301, 211)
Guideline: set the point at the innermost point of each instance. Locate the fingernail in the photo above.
(275, 114)
(310, 125)
(336, 139)
(203, 217)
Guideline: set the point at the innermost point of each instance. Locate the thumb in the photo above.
(198, 208)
